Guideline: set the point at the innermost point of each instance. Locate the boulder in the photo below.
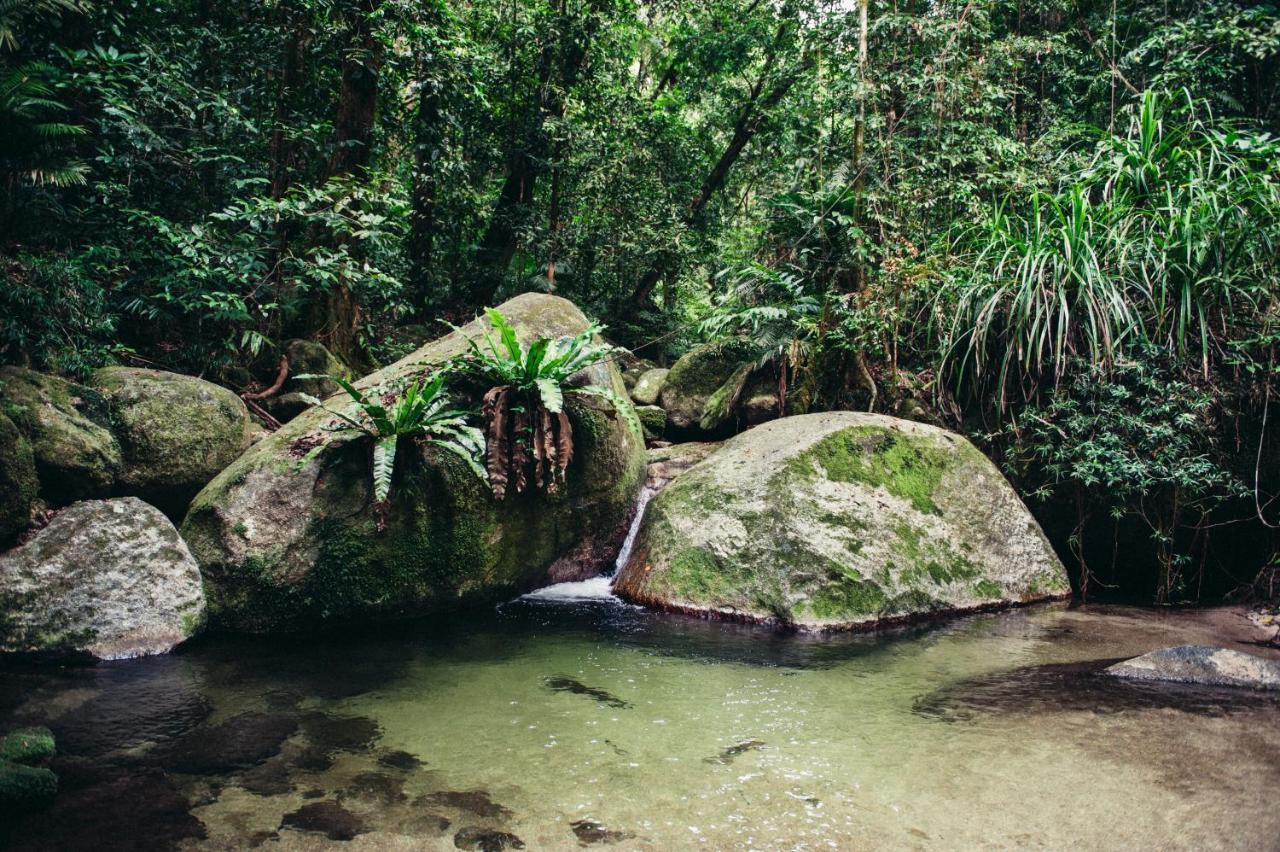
(18, 483)
(307, 357)
(840, 520)
(107, 578)
(1203, 665)
(648, 387)
(68, 427)
(693, 379)
(653, 419)
(288, 535)
(176, 432)
(25, 787)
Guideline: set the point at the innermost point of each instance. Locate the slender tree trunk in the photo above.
(353, 136)
(422, 220)
(750, 119)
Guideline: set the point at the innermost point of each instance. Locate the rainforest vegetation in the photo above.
(1053, 225)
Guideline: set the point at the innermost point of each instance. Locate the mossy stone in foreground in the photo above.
(67, 425)
(176, 432)
(287, 537)
(18, 483)
(24, 787)
(840, 520)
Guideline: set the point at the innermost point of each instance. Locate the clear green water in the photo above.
(662, 733)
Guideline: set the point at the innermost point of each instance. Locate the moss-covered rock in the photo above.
(67, 425)
(25, 787)
(840, 520)
(307, 357)
(18, 482)
(175, 432)
(106, 578)
(654, 420)
(27, 745)
(287, 535)
(648, 386)
(693, 379)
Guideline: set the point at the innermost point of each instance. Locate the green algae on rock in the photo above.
(18, 483)
(68, 427)
(287, 536)
(25, 787)
(106, 578)
(840, 520)
(176, 432)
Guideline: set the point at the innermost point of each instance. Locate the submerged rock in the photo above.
(1203, 665)
(288, 535)
(176, 432)
(591, 833)
(67, 425)
(840, 520)
(568, 684)
(472, 801)
(328, 818)
(110, 578)
(25, 788)
(648, 386)
(240, 742)
(486, 840)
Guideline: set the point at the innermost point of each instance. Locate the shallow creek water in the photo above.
(572, 719)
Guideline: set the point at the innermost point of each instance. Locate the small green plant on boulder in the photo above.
(420, 409)
(25, 787)
(527, 430)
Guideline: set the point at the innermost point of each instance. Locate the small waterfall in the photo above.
(601, 587)
(646, 494)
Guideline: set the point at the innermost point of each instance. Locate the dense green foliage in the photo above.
(996, 215)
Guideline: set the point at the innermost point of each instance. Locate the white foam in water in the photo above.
(597, 588)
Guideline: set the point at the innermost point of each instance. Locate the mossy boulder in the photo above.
(840, 520)
(288, 537)
(692, 381)
(648, 386)
(654, 420)
(175, 432)
(25, 787)
(18, 482)
(68, 428)
(109, 579)
(309, 358)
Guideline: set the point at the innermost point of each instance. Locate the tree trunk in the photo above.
(422, 219)
(750, 119)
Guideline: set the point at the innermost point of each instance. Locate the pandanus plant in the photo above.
(528, 436)
(419, 409)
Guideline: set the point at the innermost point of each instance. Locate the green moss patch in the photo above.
(907, 466)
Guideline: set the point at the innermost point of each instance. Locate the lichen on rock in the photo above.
(287, 536)
(18, 482)
(106, 578)
(840, 520)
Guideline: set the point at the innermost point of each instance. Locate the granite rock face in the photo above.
(836, 521)
(107, 578)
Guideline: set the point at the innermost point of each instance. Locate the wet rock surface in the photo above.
(1200, 664)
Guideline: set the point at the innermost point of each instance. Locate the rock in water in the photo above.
(176, 432)
(110, 578)
(649, 386)
(840, 520)
(287, 536)
(1200, 664)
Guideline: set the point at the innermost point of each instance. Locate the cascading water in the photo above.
(601, 587)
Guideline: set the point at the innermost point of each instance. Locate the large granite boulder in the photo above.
(18, 483)
(840, 520)
(175, 432)
(288, 535)
(108, 578)
(1202, 665)
(68, 428)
